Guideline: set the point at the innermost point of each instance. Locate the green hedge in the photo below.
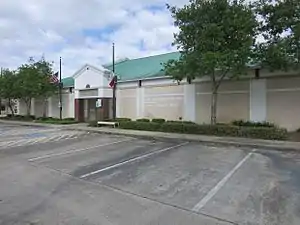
(272, 133)
(19, 117)
(243, 123)
(158, 120)
(143, 120)
(118, 120)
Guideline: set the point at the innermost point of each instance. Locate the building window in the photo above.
(140, 83)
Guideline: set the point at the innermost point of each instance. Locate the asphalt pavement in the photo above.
(113, 179)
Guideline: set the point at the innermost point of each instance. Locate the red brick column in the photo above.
(77, 109)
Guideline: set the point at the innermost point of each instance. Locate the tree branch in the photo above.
(218, 83)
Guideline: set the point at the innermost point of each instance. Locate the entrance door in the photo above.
(92, 109)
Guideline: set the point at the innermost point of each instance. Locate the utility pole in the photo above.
(114, 83)
(60, 91)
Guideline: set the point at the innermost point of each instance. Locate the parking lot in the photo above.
(110, 179)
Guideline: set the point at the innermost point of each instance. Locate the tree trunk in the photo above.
(214, 98)
(45, 108)
(11, 107)
(28, 106)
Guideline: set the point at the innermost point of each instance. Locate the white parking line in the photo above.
(131, 160)
(221, 183)
(75, 151)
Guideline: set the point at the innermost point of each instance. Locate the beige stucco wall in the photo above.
(127, 102)
(283, 102)
(232, 104)
(163, 102)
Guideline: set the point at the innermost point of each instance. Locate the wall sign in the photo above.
(99, 103)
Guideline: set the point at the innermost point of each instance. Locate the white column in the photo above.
(258, 100)
(32, 109)
(140, 93)
(189, 113)
(71, 105)
(118, 104)
(50, 107)
(142, 102)
(138, 102)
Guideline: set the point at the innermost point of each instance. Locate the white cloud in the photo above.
(56, 28)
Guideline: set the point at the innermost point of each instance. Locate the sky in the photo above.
(82, 31)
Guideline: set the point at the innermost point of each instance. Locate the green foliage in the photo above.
(280, 27)
(8, 87)
(215, 39)
(180, 121)
(122, 119)
(51, 120)
(143, 120)
(243, 123)
(33, 80)
(19, 117)
(272, 133)
(158, 120)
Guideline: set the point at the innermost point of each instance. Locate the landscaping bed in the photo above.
(235, 129)
(31, 118)
(50, 120)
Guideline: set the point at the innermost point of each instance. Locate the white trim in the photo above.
(127, 96)
(93, 88)
(88, 97)
(78, 72)
(223, 92)
(162, 95)
(283, 89)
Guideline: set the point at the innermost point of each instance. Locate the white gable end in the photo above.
(90, 77)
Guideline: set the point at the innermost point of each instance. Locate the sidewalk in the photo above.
(245, 142)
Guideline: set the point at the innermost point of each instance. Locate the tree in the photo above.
(46, 87)
(280, 27)
(34, 82)
(28, 86)
(8, 88)
(215, 40)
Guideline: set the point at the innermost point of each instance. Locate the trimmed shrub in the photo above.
(137, 125)
(158, 120)
(243, 123)
(271, 133)
(181, 121)
(143, 120)
(123, 119)
(68, 119)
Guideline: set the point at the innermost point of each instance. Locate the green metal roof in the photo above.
(134, 69)
(142, 68)
(68, 82)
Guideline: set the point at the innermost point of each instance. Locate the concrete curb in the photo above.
(230, 141)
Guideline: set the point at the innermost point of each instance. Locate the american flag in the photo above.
(54, 78)
(113, 82)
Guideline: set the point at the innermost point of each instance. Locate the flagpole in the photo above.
(115, 81)
(60, 94)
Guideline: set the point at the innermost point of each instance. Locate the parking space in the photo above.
(108, 179)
